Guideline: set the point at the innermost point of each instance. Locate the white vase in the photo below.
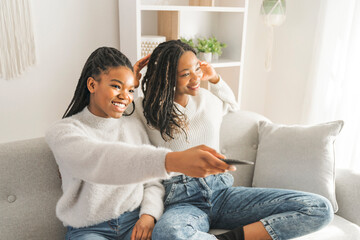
(215, 56)
(205, 56)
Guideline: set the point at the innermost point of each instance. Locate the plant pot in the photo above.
(205, 56)
(215, 56)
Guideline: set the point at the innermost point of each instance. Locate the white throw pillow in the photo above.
(298, 158)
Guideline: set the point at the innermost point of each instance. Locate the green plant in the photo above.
(189, 42)
(216, 46)
(210, 45)
(204, 45)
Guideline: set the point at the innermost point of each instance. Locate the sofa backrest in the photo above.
(29, 189)
(239, 140)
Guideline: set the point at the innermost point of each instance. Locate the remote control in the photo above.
(237, 162)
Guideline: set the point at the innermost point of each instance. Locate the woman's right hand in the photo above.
(200, 161)
(137, 68)
(209, 73)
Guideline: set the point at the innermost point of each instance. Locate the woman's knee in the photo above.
(170, 231)
(327, 209)
(86, 236)
(319, 208)
(180, 226)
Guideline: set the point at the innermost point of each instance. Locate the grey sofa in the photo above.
(30, 186)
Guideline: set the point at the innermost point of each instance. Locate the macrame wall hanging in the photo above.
(273, 12)
(17, 47)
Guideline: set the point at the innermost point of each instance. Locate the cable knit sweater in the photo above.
(105, 171)
(204, 113)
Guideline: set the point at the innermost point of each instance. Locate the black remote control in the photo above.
(237, 162)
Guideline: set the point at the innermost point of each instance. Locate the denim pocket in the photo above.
(170, 189)
(227, 179)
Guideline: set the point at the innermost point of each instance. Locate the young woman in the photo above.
(107, 192)
(179, 114)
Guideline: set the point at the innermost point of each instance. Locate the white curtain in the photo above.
(333, 90)
(17, 47)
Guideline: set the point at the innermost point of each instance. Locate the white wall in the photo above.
(66, 32)
(255, 77)
(279, 94)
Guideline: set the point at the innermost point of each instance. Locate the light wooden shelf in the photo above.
(191, 8)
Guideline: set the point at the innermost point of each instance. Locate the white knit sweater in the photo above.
(204, 112)
(105, 171)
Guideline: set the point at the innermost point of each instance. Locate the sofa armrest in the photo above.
(348, 194)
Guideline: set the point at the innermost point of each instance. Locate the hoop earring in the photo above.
(133, 110)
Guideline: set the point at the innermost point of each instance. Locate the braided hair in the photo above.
(100, 61)
(159, 85)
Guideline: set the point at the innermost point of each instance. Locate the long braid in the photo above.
(101, 60)
(159, 85)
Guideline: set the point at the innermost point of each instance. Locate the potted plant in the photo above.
(189, 42)
(204, 47)
(216, 48)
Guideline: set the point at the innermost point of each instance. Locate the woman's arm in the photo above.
(151, 209)
(119, 163)
(226, 95)
(114, 163)
(219, 88)
(152, 203)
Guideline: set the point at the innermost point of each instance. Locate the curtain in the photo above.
(17, 48)
(333, 90)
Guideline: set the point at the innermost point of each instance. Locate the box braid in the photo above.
(159, 85)
(100, 61)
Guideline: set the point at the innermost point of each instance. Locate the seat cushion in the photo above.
(338, 229)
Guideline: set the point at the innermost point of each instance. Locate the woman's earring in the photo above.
(133, 110)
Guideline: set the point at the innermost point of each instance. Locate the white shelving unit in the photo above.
(224, 19)
(191, 8)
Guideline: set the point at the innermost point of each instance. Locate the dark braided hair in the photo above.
(159, 85)
(101, 60)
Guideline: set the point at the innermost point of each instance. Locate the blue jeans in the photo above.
(119, 228)
(194, 205)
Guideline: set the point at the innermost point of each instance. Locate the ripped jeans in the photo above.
(194, 205)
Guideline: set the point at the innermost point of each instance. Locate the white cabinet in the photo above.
(224, 19)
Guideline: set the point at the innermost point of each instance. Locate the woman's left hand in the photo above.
(209, 73)
(137, 68)
(143, 228)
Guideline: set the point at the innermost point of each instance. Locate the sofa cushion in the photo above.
(239, 140)
(339, 228)
(297, 157)
(29, 190)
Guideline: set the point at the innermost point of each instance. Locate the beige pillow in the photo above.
(297, 157)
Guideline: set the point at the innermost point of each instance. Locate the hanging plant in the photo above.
(274, 13)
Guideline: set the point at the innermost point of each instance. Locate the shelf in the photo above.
(225, 63)
(191, 8)
(224, 19)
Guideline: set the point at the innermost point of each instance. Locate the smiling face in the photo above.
(111, 92)
(188, 77)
